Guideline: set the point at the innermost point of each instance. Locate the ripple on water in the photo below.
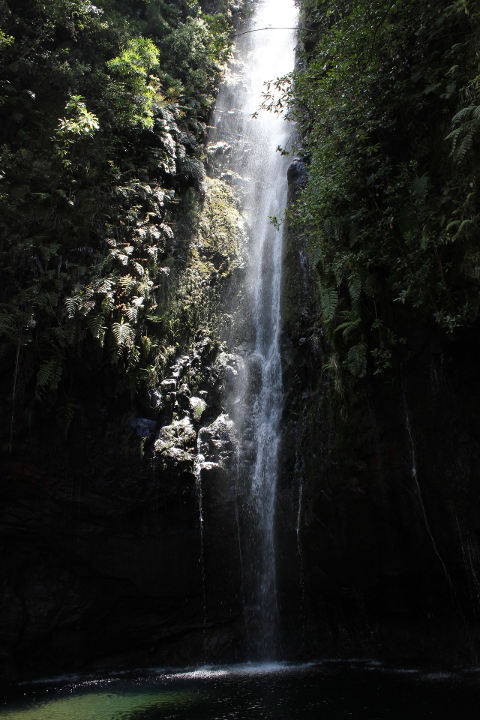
(328, 690)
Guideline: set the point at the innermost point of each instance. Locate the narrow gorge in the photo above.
(239, 322)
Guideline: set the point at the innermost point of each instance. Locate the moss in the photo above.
(220, 221)
(212, 235)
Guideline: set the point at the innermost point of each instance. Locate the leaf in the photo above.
(72, 304)
(95, 325)
(355, 287)
(420, 188)
(48, 375)
(126, 281)
(346, 327)
(328, 302)
(356, 360)
(124, 335)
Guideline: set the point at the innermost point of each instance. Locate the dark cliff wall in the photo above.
(381, 322)
(383, 558)
(120, 260)
(104, 559)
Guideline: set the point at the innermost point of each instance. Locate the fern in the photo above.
(103, 286)
(95, 325)
(466, 124)
(328, 302)
(65, 416)
(156, 319)
(126, 281)
(7, 325)
(347, 327)
(124, 335)
(48, 376)
(356, 360)
(355, 287)
(72, 304)
(132, 313)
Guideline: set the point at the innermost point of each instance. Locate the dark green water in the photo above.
(324, 691)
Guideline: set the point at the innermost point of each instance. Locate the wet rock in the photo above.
(182, 403)
(233, 178)
(192, 169)
(197, 408)
(220, 148)
(168, 386)
(228, 367)
(176, 443)
(297, 174)
(184, 390)
(218, 440)
(189, 140)
(155, 401)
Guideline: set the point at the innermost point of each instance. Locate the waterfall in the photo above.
(250, 138)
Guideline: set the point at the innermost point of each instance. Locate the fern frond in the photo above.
(103, 286)
(466, 127)
(95, 325)
(465, 146)
(48, 375)
(346, 327)
(126, 281)
(328, 303)
(65, 416)
(7, 325)
(355, 287)
(356, 360)
(463, 114)
(72, 304)
(132, 313)
(124, 335)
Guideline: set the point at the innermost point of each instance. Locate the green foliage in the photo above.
(78, 123)
(388, 101)
(133, 88)
(103, 109)
(466, 124)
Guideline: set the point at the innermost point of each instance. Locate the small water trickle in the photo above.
(199, 460)
(414, 475)
(299, 476)
(237, 523)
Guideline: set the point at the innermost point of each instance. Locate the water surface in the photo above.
(326, 691)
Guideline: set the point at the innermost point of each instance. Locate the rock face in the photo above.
(106, 558)
(108, 570)
(381, 553)
(112, 559)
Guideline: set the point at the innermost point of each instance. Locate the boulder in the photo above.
(297, 174)
(217, 442)
(197, 408)
(176, 443)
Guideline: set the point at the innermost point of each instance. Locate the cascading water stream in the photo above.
(198, 481)
(252, 137)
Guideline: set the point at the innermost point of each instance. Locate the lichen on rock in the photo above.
(175, 443)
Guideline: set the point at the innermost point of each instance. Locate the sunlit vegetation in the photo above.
(103, 113)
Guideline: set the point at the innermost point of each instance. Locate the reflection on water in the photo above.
(94, 705)
(324, 691)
